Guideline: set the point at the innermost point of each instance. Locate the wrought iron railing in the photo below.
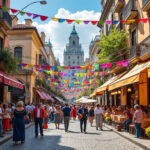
(131, 6)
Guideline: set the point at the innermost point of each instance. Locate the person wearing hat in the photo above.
(137, 118)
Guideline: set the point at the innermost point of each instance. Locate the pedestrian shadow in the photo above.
(41, 143)
(86, 133)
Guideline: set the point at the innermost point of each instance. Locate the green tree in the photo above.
(7, 61)
(113, 47)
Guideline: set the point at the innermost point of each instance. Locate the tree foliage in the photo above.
(8, 61)
(113, 46)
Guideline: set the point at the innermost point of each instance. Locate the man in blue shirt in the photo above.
(84, 113)
(66, 113)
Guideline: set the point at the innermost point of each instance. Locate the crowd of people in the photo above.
(16, 116)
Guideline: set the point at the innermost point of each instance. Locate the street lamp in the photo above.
(43, 2)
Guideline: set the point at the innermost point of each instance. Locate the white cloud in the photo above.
(60, 32)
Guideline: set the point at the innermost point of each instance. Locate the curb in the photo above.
(129, 139)
(11, 136)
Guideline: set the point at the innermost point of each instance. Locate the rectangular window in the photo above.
(133, 36)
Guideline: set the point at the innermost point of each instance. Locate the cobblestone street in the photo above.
(74, 140)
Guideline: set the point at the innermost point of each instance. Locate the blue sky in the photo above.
(74, 9)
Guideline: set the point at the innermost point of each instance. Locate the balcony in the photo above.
(134, 54)
(146, 5)
(119, 5)
(5, 20)
(145, 49)
(130, 11)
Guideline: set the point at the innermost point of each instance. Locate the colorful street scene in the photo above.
(74, 75)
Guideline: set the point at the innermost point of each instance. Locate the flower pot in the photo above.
(119, 128)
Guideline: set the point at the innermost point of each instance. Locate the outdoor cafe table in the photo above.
(118, 118)
(145, 123)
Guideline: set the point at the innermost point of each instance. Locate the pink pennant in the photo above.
(144, 20)
(28, 14)
(78, 67)
(109, 22)
(61, 73)
(125, 63)
(119, 63)
(103, 66)
(92, 73)
(109, 65)
(24, 65)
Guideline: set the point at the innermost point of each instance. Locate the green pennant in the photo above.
(5, 9)
(21, 13)
(96, 66)
(59, 67)
(101, 22)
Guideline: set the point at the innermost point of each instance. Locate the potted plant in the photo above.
(147, 131)
(7, 61)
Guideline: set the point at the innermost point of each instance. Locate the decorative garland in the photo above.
(69, 21)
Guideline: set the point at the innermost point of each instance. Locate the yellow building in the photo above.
(5, 24)
(28, 47)
(129, 88)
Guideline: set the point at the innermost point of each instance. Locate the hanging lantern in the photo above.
(129, 90)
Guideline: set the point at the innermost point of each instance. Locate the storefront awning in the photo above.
(129, 78)
(105, 86)
(50, 98)
(40, 94)
(11, 81)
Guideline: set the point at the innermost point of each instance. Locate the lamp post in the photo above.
(43, 2)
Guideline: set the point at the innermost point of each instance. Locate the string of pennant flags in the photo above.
(123, 63)
(69, 21)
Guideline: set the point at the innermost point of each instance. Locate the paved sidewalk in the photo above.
(55, 139)
(9, 134)
(143, 143)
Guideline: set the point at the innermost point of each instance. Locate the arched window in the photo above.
(74, 42)
(18, 53)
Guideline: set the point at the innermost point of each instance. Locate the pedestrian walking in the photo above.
(57, 117)
(91, 115)
(99, 117)
(38, 115)
(19, 123)
(74, 112)
(83, 113)
(6, 118)
(52, 109)
(66, 113)
(137, 118)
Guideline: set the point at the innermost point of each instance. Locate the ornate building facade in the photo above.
(74, 56)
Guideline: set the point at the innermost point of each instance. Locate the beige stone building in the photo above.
(28, 47)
